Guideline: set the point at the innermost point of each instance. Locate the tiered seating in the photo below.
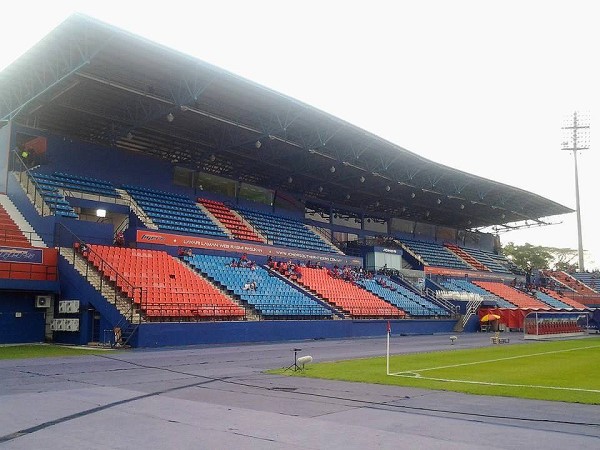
(346, 296)
(238, 229)
(571, 282)
(10, 234)
(436, 254)
(493, 262)
(402, 297)
(173, 212)
(53, 197)
(78, 183)
(551, 301)
(169, 290)
(519, 298)
(590, 279)
(273, 297)
(284, 231)
(466, 286)
(565, 299)
(468, 258)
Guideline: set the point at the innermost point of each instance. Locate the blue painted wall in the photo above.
(30, 327)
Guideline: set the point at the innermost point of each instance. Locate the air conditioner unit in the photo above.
(43, 301)
(55, 325)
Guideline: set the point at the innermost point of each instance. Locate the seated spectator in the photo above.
(243, 259)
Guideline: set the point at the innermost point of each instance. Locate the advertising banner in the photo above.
(457, 273)
(21, 255)
(176, 240)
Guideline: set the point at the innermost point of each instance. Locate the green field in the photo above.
(43, 351)
(562, 370)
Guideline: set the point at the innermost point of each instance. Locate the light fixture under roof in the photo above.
(258, 144)
(332, 169)
(170, 117)
(362, 179)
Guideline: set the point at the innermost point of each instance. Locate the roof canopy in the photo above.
(91, 81)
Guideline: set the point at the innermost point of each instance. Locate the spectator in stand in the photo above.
(243, 261)
(120, 239)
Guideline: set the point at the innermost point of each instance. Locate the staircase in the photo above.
(139, 212)
(471, 310)
(230, 222)
(405, 248)
(324, 235)
(130, 316)
(14, 229)
(466, 257)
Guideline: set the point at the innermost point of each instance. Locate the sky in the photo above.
(480, 86)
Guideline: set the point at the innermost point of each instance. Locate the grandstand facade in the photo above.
(171, 203)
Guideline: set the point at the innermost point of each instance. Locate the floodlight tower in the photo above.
(578, 135)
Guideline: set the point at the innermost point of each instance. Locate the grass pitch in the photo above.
(43, 351)
(566, 371)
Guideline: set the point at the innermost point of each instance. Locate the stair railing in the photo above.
(27, 180)
(106, 273)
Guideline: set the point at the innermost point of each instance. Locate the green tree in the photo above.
(535, 256)
(565, 259)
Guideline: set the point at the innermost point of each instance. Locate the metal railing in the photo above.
(31, 186)
(124, 294)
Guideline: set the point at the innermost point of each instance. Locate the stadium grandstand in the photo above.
(150, 199)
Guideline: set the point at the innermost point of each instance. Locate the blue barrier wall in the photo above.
(173, 334)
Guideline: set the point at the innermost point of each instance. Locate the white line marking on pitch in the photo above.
(486, 383)
(493, 360)
(416, 373)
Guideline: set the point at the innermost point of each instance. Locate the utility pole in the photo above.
(574, 145)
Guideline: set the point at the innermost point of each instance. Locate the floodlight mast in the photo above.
(575, 127)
